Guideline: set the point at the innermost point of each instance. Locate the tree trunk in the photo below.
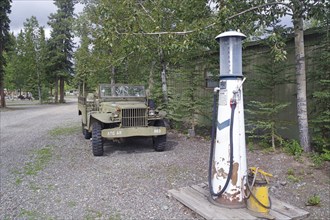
(2, 91)
(301, 83)
(56, 90)
(61, 89)
(112, 80)
(39, 93)
(39, 88)
(163, 76)
(2, 79)
(151, 79)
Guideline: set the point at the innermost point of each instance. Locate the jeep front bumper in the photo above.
(111, 133)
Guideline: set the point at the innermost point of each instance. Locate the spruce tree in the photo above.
(4, 40)
(61, 45)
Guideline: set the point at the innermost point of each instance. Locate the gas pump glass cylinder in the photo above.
(230, 55)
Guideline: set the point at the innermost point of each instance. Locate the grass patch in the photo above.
(32, 215)
(115, 216)
(18, 181)
(173, 172)
(290, 172)
(93, 214)
(293, 179)
(59, 131)
(39, 160)
(313, 200)
(72, 204)
(291, 176)
(29, 214)
(34, 187)
(43, 156)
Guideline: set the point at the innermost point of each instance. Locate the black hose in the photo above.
(233, 106)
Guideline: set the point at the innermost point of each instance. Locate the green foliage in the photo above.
(293, 178)
(264, 108)
(313, 200)
(119, 44)
(326, 155)
(290, 172)
(293, 148)
(26, 70)
(320, 80)
(61, 45)
(4, 42)
(319, 158)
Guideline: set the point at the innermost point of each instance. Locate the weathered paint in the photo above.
(261, 193)
(233, 192)
(235, 174)
(230, 87)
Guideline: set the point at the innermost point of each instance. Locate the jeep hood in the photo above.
(123, 105)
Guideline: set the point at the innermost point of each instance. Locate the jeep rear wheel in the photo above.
(97, 140)
(86, 133)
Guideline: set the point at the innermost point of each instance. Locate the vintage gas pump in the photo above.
(228, 165)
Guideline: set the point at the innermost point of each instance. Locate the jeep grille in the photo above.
(134, 117)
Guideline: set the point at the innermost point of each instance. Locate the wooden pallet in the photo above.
(196, 198)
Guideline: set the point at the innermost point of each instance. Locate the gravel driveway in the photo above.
(48, 171)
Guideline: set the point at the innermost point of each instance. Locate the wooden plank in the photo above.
(288, 210)
(196, 198)
(203, 189)
(198, 202)
(278, 215)
(193, 203)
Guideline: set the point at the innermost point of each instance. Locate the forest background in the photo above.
(169, 47)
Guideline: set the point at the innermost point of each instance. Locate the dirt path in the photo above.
(48, 171)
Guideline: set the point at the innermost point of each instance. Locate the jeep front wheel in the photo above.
(97, 140)
(159, 142)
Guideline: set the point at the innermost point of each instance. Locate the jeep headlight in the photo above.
(151, 112)
(116, 113)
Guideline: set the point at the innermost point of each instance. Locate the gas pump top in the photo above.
(230, 53)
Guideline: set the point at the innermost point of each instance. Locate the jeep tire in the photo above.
(159, 142)
(86, 133)
(97, 140)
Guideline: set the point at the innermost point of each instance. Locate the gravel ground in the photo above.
(48, 171)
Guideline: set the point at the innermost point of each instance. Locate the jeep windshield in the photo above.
(106, 90)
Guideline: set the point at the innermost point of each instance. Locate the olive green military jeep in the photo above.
(120, 111)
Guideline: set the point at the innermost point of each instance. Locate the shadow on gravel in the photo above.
(134, 145)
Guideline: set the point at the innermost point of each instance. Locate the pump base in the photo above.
(195, 198)
(221, 202)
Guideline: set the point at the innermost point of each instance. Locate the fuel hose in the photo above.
(214, 122)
